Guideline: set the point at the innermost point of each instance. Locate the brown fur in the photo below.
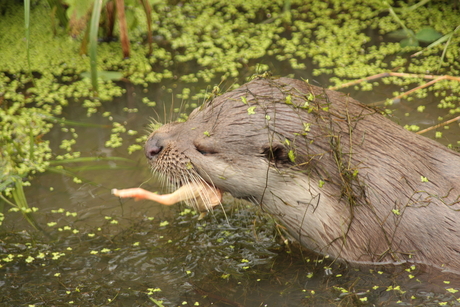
(345, 181)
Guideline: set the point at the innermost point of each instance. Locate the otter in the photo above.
(343, 179)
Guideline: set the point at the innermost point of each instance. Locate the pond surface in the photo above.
(96, 250)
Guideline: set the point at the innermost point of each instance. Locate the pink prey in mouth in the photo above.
(203, 196)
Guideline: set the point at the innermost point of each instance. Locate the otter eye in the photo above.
(204, 150)
(275, 153)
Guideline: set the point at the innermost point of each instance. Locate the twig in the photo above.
(438, 125)
(434, 79)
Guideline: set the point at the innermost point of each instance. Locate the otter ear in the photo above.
(275, 153)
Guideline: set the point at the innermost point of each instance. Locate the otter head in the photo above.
(232, 142)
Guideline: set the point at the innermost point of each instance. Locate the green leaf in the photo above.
(428, 35)
(291, 156)
(409, 42)
(78, 7)
(94, 27)
(251, 110)
(401, 34)
(157, 302)
(89, 159)
(131, 19)
(443, 39)
(321, 183)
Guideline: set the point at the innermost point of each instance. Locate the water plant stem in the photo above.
(27, 30)
(93, 42)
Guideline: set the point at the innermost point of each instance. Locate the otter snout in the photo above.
(152, 147)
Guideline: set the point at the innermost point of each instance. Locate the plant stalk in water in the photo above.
(93, 42)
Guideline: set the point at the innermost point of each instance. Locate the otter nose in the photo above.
(152, 148)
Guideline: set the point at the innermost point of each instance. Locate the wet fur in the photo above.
(344, 180)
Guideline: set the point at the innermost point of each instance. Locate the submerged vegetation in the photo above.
(45, 70)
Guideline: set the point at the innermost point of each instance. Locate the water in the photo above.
(105, 251)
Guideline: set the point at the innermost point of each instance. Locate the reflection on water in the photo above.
(97, 250)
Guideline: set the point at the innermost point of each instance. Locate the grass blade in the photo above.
(27, 30)
(446, 38)
(91, 159)
(21, 202)
(94, 27)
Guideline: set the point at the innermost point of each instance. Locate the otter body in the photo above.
(344, 180)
